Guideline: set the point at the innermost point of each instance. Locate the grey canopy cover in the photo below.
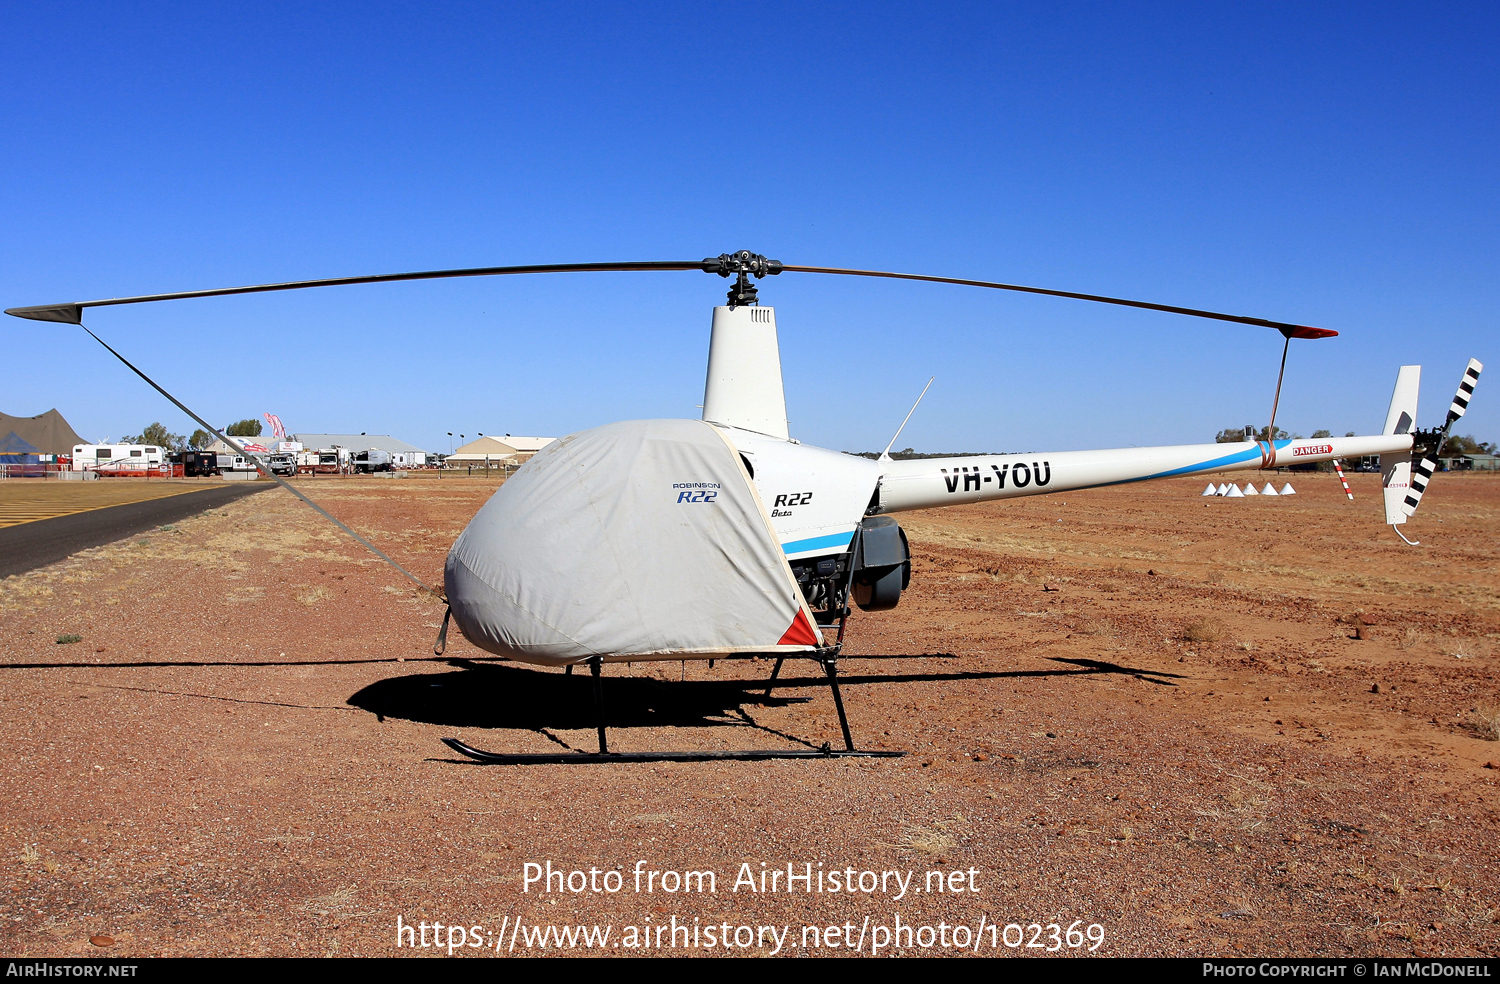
(638, 540)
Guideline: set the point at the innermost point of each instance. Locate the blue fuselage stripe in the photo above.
(1211, 464)
(838, 540)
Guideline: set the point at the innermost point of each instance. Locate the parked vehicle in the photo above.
(197, 463)
(91, 457)
(235, 462)
(372, 460)
(283, 464)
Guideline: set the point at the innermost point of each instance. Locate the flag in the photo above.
(276, 427)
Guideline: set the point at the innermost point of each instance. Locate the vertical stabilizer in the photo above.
(1401, 418)
(744, 371)
(1395, 468)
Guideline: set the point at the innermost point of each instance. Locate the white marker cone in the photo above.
(1250, 489)
(1268, 490)
(1288, 490)
(1211, 490)
(1223, 490)
(1234, 493)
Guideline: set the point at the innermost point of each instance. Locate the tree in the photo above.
(1467, 445)
(157, 436)
(1236, 434)
(1322, 433)
(249, 427)
(200, 439)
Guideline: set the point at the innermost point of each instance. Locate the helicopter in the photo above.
(725, 537)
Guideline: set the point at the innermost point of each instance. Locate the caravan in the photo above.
(117, 458)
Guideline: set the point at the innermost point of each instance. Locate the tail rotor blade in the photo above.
(1423, 470)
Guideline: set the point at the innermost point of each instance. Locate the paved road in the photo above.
(46, 541)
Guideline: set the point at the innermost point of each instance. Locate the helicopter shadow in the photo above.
(487, 695)
(507, 696)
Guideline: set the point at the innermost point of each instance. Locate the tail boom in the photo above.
(928, 482)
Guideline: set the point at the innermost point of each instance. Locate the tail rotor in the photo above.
(1430, 443)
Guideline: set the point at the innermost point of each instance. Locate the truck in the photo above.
(197, 463)
(373, 460)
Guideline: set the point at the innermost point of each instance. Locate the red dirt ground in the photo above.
(1235, 727)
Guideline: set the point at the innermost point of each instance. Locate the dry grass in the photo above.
(1460, 650)
(928, 841)
(1484, 721)
(313, 595)
(333, 903)
(1101, 627)
(1204, 630)
(1409, 639)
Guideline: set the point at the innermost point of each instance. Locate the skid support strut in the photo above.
(771, 683)
(599, 703)
(831, 667)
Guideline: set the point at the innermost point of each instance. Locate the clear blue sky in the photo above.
(1333, 165)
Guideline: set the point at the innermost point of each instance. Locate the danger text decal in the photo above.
(1313, 449)
(1020, 475)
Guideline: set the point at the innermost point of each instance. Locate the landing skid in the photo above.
(592, 758)
(604, 755)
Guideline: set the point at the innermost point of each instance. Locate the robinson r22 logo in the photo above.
(696, 491)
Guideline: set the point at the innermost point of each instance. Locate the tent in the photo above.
(47, 433)
(477, 452)
(644, 539)
(14, 450)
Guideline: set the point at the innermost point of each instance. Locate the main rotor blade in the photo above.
(1289, 330)
(73, 313)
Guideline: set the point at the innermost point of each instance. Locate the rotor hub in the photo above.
(743, 265)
